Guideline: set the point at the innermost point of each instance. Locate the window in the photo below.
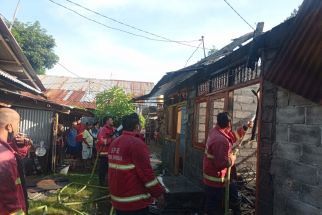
(218, 106)
(200, 123)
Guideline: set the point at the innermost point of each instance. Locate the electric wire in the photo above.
(121, 30)
(65, 68)
(192, 54)
(130, 26)
(239, 15)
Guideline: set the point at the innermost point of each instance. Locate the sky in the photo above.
(93, 51)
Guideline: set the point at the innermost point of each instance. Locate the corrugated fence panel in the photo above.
(37, 124)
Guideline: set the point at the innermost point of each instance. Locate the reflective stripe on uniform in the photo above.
(131, 198)
(18, 181)
(121, 166)
(214, 179)
(152, 183)
(20, 212)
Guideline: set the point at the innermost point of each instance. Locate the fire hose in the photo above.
(227, 179)
(67, 205)
(236, 150)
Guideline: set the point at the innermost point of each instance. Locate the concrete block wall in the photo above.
(296, 167)
(265, 191)
(244, 108)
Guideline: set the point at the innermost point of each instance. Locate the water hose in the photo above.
(112, 211)
(43, 208)
(67, 205)
(227, 180)
(235, 151)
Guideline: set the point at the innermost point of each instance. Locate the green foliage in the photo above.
(36, 44)
(142, 121)
(113, 102)
(212, 50)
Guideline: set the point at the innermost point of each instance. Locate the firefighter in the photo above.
(104, 137)
(133, 184)
(13, 198)
(218, 157)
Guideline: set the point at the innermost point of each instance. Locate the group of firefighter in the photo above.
(126, 162)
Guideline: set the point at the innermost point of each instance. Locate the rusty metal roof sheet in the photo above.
(71, 98)
(81, 92)
(298, 65)
(94, 86)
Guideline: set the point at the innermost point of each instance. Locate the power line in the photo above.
(130, 26)
(65, 68)
(193, 53)
(118, 29)
(239, 15)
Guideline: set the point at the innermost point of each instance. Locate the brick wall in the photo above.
(296, 166)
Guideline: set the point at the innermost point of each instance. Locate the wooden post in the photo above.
(55, 131)
(178, 139)
(203, 45)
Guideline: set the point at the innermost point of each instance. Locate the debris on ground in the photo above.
(248, 199)
(247, 190)
(39, 189)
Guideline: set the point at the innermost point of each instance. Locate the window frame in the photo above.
(195, 142)
(226, 93)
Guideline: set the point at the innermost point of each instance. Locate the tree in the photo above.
(113, 102)
(212, 50)
(36, 44)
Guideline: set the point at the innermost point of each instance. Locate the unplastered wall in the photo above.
(244, 109)
(296, 166)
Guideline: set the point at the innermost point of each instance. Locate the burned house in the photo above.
(275, 78)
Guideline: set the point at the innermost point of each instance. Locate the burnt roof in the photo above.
(209, 66)
(298, 65)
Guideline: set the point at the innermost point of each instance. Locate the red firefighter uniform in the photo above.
(12, 199)
(218, 147)
(131, 178)
(80, 130)
(105, 134)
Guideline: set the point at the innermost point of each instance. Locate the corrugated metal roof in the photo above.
(13, 81)
(17, 62)
(95, 86)
(298, 65)
(81, 92)
(72, 98)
